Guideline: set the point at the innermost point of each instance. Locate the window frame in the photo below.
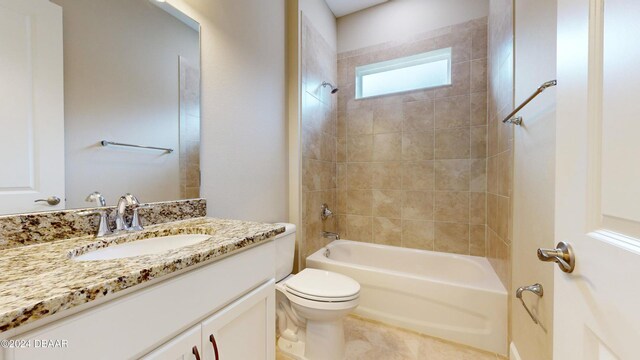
(400, 63)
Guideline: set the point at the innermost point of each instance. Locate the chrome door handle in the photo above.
(52, 200)
(562, 255)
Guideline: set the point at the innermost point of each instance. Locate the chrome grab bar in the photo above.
(536, 289)
(517, 120)
(107, 143)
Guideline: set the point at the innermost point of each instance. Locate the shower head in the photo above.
(333, 88)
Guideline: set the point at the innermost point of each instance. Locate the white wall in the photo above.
(318, 12)
(401, 18)
(121, 84)
(244, 146)
(534, 174)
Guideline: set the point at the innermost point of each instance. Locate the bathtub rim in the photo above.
(496, 285)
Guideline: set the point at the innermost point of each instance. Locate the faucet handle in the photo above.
(97, 197)
(136, 224)
(103, 226)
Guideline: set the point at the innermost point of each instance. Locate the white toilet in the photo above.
(310, 305)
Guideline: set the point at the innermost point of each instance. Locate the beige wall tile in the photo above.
(451, 238)
(417, 234)
(479, 43)
(359, 121)
(387, 147)
(360, 148)
(359, 176)
(503, 215)
(452, 175)
(418, 145)
(387, 118)
(479, 75)
(460, 81)
(451, 206)
(359, 228)
(492, 211)
(311, 143)
(387, 203)
(418, 175)
(479, 108)
(477, 208)
(328, 147)
(387, 175)
(478, 142)
(505, 163)
(359, 202)
(417, 205)
(477, 240)
(387, 231)
(492, 175)
(453, 112)
(418, 116)
(341, 126)
(478, 175)
(341, 151)
(452, 144)
(341, 201)
(341, 176)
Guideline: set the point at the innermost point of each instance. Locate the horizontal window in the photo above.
(421, 71)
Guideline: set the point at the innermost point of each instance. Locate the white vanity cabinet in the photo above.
(231, 299)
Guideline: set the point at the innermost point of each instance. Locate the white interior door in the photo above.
(32, 106)
(596, 312)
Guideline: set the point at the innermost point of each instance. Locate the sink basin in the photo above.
(149, 246)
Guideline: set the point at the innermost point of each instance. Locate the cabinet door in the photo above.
(182, 347)
(243, 330)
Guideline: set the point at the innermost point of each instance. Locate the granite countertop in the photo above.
(41, 280)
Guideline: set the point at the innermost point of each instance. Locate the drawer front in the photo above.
(130, 326)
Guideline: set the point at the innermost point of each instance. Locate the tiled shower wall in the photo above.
(189, 130)
(318, 132)
(500, 138)
(411, 167)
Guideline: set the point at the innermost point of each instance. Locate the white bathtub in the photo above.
(453, 297)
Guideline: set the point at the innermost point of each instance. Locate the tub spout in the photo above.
(329, 234)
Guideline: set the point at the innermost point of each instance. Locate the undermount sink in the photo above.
(155, 245)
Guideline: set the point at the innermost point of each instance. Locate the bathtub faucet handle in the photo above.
(325, 212)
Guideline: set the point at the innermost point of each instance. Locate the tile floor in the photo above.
(368, 340)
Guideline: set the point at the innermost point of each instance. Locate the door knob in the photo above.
(52, 200)
(562, 255)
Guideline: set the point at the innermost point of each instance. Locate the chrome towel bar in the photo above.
(536, 289)
(517, 120)
(107, 143)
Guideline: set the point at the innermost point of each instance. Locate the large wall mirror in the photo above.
(97, 95)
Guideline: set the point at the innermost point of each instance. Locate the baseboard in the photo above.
(513, 352)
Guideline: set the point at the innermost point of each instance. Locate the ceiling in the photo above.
(345, 7)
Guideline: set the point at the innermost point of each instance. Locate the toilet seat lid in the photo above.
(323, 284)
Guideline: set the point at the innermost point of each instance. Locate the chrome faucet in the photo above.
(125, 201)
(98, 198)
(329, 234)
(103, 226)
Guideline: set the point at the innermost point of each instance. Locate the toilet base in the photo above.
(320, 340)
(294, 350)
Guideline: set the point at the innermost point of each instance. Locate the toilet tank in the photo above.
(285, 251)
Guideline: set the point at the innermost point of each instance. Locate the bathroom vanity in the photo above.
(213, 299)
